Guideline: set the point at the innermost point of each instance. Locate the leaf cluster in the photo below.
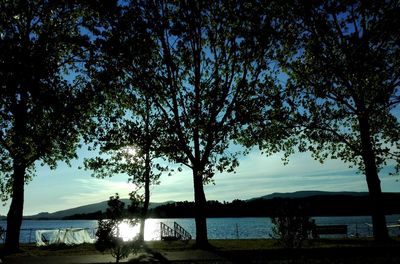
(341, 59)
(209, 77)
(45, 98)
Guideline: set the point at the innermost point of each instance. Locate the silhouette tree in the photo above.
(208, 75)
(127, 129)
(43, 98)
(342, 60)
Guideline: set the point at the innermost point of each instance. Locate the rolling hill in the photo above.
(304, 194)
(85, 209)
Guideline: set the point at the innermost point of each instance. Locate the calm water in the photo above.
(218, 228)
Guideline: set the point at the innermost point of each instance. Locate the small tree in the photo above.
(292, 226)
(108, 231)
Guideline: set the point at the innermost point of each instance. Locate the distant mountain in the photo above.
(304, 194)
(321, 200)
(311, 203)
(85, 209)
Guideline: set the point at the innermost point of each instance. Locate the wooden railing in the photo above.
(177, 233)
(166, 232)
(181, 233)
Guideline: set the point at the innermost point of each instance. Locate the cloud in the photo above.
(178, 187)
(96, 190)
(256, 176)
(259, 175)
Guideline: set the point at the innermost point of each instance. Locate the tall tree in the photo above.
(127, 130)
(342, 59)
(208, 74)
(43, 101)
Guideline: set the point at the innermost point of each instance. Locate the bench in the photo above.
(330, 230)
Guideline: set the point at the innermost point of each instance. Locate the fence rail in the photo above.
(181, 233)
(177, 233)
(166, 232)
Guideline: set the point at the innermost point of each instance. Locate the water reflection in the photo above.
(152, 229)
(218, 228)
(129, 232)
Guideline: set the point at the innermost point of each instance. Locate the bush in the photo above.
(108, 232)
(292, 226)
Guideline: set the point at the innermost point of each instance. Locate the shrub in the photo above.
(108, 237)
(292, 226)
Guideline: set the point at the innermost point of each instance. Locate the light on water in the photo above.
(130, 232)
(218, 228)
(152, 229)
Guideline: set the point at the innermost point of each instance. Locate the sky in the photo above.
(258, 175)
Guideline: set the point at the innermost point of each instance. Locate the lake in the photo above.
(218, 228)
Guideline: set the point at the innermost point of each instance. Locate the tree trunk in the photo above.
(146, 198)
(147, 172)
(14, 216)
(144, 212)
(200, 216)
(380, 230)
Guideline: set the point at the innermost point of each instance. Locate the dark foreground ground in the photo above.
(223, 251)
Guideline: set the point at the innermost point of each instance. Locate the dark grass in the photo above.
(344, 250)
(362, 251)
(316, 251)
(31, 249)
(269, 244)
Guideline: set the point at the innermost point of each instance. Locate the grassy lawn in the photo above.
(33, 250)
(218, 245)
(267, 244)
(259, 251)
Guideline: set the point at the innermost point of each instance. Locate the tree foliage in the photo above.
(342, 62)
(43, 101)
(209, 73)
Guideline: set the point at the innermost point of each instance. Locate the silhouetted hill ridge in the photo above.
(319, 202)
(304, 194)
(84, 209)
